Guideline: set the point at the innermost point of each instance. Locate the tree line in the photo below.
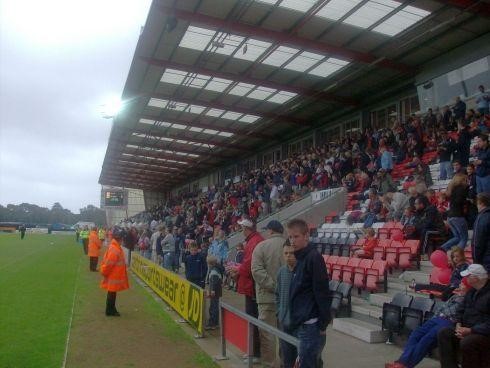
(33, 214)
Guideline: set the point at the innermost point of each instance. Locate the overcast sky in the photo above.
(60, 60)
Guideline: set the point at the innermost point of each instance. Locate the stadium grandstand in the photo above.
(365, 118)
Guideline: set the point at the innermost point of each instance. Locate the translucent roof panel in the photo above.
(197, 80)
(371, 12)
(178, 106)
(197, 38)
(197, 130)
(282, 97)
(331, 65)
(249, 118)
(241, 89)
(225, 43)
(252, 49)
(304, 61)
(210, 131)
(280, 56)
(299, 5)
(147, 121)
(195, 109)
(400, 21)
(164, 124)
(179, 126)
(155, 102)
(271, 2)
(173, 76)
(193, 155)
(261, 93)
(336, 9)
(225, 134)
(218, 84)
(231, 115)
(215, 112)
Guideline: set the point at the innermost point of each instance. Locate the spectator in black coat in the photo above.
(463, 144)
(196, 266)
(471, 335)
(480, 246)
(459, 109)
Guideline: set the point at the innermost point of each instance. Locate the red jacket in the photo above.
(245, 279)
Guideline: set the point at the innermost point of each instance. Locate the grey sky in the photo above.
(60, 60)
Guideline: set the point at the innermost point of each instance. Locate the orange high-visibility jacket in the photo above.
(113, 268)
(94, 244)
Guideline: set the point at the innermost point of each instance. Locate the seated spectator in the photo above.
(373, 209)
(458, 264)
(442, 202)
(385, 182)
(424, 338)
(349, 182)
(431, 196)
(396, 203)
(427, 218)
(471, 335)
(408, 217)
(367, 250)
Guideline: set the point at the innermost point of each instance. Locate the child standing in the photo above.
(214, 292)
(195, 266)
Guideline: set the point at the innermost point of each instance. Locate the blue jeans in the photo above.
(459, 228)
(213, 311)
(309, 344)
(422, 340)
(445, 170)
(168, 261)
(483, 184)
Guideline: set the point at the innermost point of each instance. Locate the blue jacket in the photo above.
(195, 267)
(387, 160)
(483, 169)
(309, 293)
(480, 246)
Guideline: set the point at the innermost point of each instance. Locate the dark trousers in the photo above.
(213, 311)
(93, 263)
(422, 340)
(475, 350)
(22, 234)
(288, 353)
(85, 246)
(252, 309)
(310, 342)
(110, 306)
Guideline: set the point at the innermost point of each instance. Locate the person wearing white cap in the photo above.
(471, 335)
(245, 281)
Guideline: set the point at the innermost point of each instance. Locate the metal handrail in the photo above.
(251, 321)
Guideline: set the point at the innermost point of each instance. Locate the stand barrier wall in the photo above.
(186, 298)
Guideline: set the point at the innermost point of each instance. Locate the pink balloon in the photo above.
(439, 259)
(445, 275)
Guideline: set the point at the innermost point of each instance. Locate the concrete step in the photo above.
(361, 330)
(378, 299)
(363, 307)
(419, 277)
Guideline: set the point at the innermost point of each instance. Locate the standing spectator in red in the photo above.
(245, 279)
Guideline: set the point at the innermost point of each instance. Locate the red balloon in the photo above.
(439, 259)
(445, 275)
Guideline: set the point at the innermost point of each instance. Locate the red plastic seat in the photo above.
(337, 268)
(325, 258)
(383, 233)
(348, 269)
(392, 257)
(375, 275)
(414, 246)
(404, 258)
(360, 242)
(385, 243)
(379, 253)
(360, 273)
(330, 262)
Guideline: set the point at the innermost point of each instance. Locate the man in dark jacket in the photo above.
(445, 148)
(459, 109)
(471, 334)
(309, 295)
(480, 247)
(483, 165)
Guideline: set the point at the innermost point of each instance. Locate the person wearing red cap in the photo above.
(424, 338)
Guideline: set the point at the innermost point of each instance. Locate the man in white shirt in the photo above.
(153, 242)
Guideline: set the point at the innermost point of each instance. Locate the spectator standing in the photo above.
(113, 270)
(309, 296)
(168, 250)
(84, 236)
(445, 148)
(463, 143)
(266, 261)
(22, 230)
(219, 247)
(245, 281)
(482, 164)
(386, 159)
(482, 101)
(471, 335)
(153, 243)
(459, 109)
(195, 266)
(214, 292)
(457, 191)
(480, 246)
(284, 277)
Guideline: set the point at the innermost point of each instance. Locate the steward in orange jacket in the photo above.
(94, 245)
(113, 269)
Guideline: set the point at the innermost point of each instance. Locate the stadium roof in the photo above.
(213, 81)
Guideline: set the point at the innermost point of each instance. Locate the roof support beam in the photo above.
(477, 7)
(141, 177)
(285, 39)
(200, 124)
(217, 105)
(244, 79)
(113, 158)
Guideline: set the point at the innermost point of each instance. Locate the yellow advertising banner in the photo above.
(184, 297)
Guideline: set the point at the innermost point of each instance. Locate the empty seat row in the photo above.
(341, 297)
(405, 313)
(364, 274)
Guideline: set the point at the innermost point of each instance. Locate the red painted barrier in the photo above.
(235, 330)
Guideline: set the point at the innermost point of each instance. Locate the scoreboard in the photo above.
(113, 198)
